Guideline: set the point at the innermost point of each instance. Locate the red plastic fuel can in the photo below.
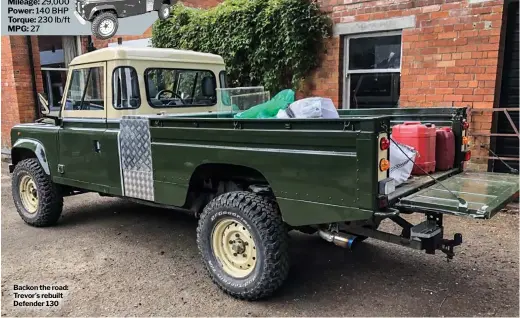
(444, 149)
(422, 138)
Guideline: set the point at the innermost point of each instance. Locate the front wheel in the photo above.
(38, 200)
(244, 244)
(105, 25)
(164, 12)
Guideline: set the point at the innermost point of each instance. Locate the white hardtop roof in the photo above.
(129, 53)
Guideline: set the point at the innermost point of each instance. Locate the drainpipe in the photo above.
(33, 78)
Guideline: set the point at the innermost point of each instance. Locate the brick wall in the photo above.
(18, 104)
(450, 58)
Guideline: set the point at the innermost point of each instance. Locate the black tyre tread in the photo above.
(97, 20)
(49, 194)
(264, 213)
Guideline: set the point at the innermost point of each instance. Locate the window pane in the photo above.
(53, 85)
(52, 53)
(223, 79)
(86, 90)
(174, 87)
(382, 52)
(125, 88)
(375, 90)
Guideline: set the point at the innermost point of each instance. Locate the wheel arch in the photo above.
(25, 148)
(102, 8)
(209, 180)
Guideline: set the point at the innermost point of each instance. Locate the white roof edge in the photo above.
(121, 53)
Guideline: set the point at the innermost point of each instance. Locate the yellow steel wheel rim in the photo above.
(28, 194)
(234, 246)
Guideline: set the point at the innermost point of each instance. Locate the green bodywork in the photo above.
(320, 170)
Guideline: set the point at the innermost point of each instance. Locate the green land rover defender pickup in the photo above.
(155, 126)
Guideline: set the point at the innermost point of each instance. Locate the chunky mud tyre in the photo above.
(256, 261)
(38, 200)
(104, 26)
(165, 12)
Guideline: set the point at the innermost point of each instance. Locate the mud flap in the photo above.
(486, 193)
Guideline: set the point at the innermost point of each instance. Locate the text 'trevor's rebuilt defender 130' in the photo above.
(104, 14)
(156, 126)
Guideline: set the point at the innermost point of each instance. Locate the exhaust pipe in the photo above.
(340, 239)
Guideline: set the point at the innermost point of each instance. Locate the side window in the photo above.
(223, 79)
(125, 88)
(86, 90)
(178, 87)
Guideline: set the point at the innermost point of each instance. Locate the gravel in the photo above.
(122, 259)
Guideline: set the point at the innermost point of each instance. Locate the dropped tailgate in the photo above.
(486, 193)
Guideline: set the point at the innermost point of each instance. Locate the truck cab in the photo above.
(81, 149)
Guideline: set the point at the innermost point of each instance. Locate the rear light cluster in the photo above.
(385, 184)
(384, 143)
(465, 141)
(384, 164)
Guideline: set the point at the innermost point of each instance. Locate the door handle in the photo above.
(97, 146)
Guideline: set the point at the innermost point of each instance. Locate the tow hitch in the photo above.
(448, 245)
(427, 235)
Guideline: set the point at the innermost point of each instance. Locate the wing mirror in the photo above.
(44, 108)
(44, 104)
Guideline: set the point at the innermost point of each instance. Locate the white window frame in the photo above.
(347, 72)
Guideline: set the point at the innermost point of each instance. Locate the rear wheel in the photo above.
(38, 200)
(244, 244)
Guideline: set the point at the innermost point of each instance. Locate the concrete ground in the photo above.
(123, 259)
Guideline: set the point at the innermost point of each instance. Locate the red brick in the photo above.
(434, 98)
(463, 91)
(453, 98)
(473, 98)
(443, 91)
(446, 63)
(473, 84)
(447, 35)
(465, 62)
(484, 91)
(483, 105)
(463, 77)
(455, 70)
(487, 47)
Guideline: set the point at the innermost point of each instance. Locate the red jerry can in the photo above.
(422, 138)
(444, 149)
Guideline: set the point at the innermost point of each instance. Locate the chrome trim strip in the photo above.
(274, 150)
(37, 126)
(86, 129)
(84, 120)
